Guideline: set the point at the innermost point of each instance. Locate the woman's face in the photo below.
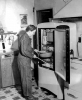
(31, 33)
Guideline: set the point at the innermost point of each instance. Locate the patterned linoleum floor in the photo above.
(12, 93)
(41, 93)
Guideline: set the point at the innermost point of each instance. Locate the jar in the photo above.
(44, 38)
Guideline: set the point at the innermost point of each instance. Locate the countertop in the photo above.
(8, 53)
(76, 60)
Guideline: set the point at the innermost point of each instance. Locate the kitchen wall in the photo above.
(79, 34)
(60, 4)
(44, 4)
(10, 11)
(55, 4)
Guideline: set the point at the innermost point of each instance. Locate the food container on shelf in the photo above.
(45, 54)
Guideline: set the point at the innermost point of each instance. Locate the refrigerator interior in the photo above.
(46, 44)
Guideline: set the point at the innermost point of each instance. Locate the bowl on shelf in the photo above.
(45, 54)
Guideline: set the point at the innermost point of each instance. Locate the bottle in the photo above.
(44, 38)
(71, 53)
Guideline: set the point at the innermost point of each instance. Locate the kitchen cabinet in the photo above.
(76, 75)
(9, 71)
(60, 4)
(6, 72)
(74, 90)
(43, 4)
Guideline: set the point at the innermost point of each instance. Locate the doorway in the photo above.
(41, 17)
(44, 15)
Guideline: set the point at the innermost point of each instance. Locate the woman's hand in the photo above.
(34, 56)
(36, 50)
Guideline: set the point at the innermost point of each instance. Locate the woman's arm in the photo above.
(26, 48)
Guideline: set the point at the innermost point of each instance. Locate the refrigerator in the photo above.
(54, 70)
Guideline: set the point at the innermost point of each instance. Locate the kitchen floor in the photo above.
(13, 93)
(41, 93)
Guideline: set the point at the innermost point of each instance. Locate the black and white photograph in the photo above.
(40, 49)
